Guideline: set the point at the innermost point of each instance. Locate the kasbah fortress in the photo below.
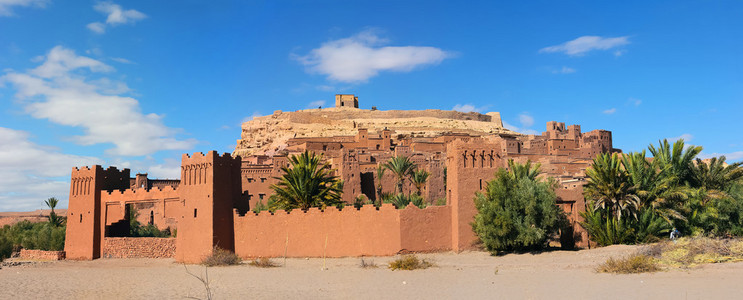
(210, 206)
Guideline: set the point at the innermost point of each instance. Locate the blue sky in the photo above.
(137, 83)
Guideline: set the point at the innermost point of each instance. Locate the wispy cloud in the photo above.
(584, 44)
(526, 120)
(522, 130)
(686, 137)
(610, 111)
(6, 6)
(634, 101)
(122, 60)
(115, 15)
(360, 57)
(31, 172)
(67, 89)
(729, 157)
(468, 108)
(564, 70)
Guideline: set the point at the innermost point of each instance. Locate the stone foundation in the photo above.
(42, 255)
(143, 247)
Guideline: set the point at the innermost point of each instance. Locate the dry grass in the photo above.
(410, 262)
(637, 263)
(367, 264)
(221, 257)
(688, 252)
(684, 253)
(263, 262)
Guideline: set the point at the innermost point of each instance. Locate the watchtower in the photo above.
(210, 186)
(346, 100)
(85, 230)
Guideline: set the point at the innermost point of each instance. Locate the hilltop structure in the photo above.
(210, 204)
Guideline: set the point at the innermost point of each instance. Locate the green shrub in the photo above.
(410, 262)
(33, 236)
(517, 212)
(401, 201)
(629, 265)
(221, 257)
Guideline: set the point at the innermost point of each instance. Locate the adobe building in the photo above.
(210, 205)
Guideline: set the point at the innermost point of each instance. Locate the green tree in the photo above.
(608, 187)
(419, 179)
(517, 211)
(678, 158)
(54, 219)
(306, 183)
(402, 167)
(656, 187)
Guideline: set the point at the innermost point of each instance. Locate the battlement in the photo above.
(132, 192)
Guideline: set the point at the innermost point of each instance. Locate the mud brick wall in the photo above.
(142, 247)
(42, 255)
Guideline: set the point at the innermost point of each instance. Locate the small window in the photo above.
(194, 213)
(261, 196)
(263, 179)
(152, 217)
(81, 218)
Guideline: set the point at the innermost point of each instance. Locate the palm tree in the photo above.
(306, 183)
(380, 174)
(609, 188)
(53, 218)
(402, 167)
(716, 175)
(680, 161)
(419, 179)
(656, 187)
(518, 171)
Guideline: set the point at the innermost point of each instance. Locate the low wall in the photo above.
(140, 247)
(42, 255)
(349, 232)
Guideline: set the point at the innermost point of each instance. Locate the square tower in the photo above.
(346, 100)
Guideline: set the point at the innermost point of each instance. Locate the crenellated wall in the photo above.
(367, 231)
(160, 207)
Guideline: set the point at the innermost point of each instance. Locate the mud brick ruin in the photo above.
(210, 204)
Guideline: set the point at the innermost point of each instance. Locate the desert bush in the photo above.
(360, 201)
(221, 257)
(367, 264)
(410, 262)
(517, 211)
(36, 236)
(263, 262)
(401, 201)
(631, 264)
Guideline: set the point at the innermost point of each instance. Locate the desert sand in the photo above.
(469, 275)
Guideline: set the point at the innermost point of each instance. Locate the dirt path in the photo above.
(552, 275)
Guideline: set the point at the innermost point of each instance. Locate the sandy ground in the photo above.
(470, 275)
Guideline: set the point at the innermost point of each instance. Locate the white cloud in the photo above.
(122, 60)
(634, 101)
(7, 5)
(115, 15)
(97, 27)
(57, 91)
(360, 57)
(584, 44)
(511, 127)
(609, 111)
(686, 137)
(466, 108)
(526, 120)
(729, 157)
(564, 70)
(315, 104)
(325, 88)
(32, 173)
